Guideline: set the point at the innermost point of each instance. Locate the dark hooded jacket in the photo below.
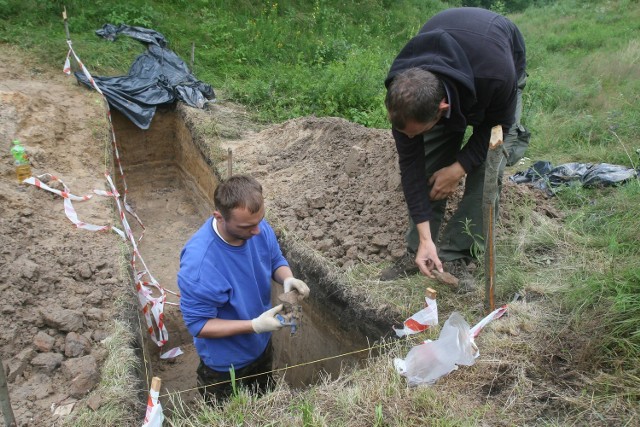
(479, 55)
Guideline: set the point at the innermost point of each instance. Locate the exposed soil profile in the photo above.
(170, 187)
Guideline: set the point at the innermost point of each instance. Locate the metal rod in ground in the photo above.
(5, 402)
(229, 163)
(489, 208)
(193, 54)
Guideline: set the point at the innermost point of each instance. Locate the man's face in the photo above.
(241, 224)
(413, 128)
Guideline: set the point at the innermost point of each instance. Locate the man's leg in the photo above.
(458, 239)
(464, 228)
(217, 384)
(440, 149)
(516, 140)
(261, 377)
(213, 385)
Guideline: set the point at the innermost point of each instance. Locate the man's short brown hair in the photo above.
(414, 95)
(238, 191)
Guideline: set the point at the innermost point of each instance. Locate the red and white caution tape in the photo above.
(495, 314)
(152, 306)
(67, 70)
(174, 352)
(154, 416)
(69, 210)
(151, 295)
(421, 320)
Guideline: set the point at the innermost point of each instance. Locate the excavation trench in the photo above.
(170, 184)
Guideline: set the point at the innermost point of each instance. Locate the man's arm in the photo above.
(218, 328)
(413, 175)
(283, 272)
(266, 322)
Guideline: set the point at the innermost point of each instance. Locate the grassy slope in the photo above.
(292, 58)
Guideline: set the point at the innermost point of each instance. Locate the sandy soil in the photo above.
(59, 283)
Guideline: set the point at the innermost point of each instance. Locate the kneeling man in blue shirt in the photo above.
(225, 277)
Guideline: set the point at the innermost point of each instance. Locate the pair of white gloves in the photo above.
(267, 321)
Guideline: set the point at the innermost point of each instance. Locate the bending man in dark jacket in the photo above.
(466, 67)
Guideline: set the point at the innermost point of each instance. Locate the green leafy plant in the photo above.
(379, 420)
(477, 247)
(234, 385)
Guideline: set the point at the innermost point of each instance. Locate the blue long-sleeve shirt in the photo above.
(218, 280)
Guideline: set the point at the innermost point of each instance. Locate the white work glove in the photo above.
(267, 321)
(293, 283)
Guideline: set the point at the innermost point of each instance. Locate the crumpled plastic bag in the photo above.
(427, 362)
(544, 176)
(421, 320)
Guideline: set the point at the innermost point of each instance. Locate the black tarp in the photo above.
(543, 175)
(156, 77)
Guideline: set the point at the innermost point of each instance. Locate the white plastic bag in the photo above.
(421, 320)
(425, 363)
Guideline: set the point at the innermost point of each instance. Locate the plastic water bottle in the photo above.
(23, 168)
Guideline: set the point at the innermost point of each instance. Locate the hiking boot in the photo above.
(402, 267)
(459, 268)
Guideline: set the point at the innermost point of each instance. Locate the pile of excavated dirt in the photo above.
(58, 283)
(334, 184)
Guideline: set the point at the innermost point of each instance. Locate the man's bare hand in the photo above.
(445, 181)
(427, 258)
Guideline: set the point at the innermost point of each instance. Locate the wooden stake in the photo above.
(66, 24)
(489, 205)
(153, 396)
(229, 163)
(5, 402)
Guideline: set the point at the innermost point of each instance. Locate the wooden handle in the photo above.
(496, 137)
(155, 384)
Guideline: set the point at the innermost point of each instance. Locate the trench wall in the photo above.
(146, 151)
(169, 144)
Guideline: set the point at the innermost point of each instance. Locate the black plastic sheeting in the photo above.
(156, 77)
(544, 176)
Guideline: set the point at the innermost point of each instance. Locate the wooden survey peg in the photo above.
(489, 208)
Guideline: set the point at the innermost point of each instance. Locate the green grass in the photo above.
(581, 102)
(281, 59)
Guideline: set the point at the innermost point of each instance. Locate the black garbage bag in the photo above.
(542, 175)
(606, 174)
(538, 170)
(156, 77)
